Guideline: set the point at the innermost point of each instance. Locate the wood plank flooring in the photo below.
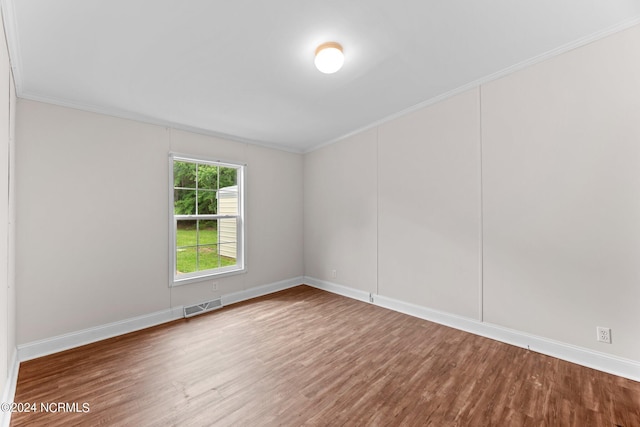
(308, 357)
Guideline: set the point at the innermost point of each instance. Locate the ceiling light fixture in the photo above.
(329, 57)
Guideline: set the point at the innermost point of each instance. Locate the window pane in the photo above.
(186, 233)
(227, 231)
(184, 202)
(228, 177)
(207, 202)
(207, 257)
(227, 254)
(185, 247)
(228, 201)
(185, 260)
(184, 174)
(208, 177)
(208, 232)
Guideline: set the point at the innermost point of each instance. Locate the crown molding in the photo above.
(488, 78)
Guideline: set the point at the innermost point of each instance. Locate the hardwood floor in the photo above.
(308, 357)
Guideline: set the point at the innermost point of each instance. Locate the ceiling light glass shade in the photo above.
(329, 57)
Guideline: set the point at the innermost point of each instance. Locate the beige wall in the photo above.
(7, 217)
(98, 253)
(429, 207)
(561, 188)
(340, 209)
(529, 182)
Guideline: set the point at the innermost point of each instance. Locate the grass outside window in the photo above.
(190, 257)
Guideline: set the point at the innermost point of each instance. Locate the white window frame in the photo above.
(197, 276)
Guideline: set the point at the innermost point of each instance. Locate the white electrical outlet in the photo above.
(604, 334)
(334, 274)
(214, 286)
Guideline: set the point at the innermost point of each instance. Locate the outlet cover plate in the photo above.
(604, 334)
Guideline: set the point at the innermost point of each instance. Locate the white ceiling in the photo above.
(244, 69)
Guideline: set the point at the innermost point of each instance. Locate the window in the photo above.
(207, 224)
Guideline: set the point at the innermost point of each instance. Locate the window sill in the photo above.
(208, 276)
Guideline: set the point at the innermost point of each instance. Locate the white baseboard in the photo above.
(585, 357)
(9, 390)
(259, 291)
(63, 342)
(592, 359)
(338, 289)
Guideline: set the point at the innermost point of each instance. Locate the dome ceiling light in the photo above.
(329, 57)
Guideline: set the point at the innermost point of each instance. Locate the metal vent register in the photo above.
(193, 310)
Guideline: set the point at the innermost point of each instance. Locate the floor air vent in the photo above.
(192, 310)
